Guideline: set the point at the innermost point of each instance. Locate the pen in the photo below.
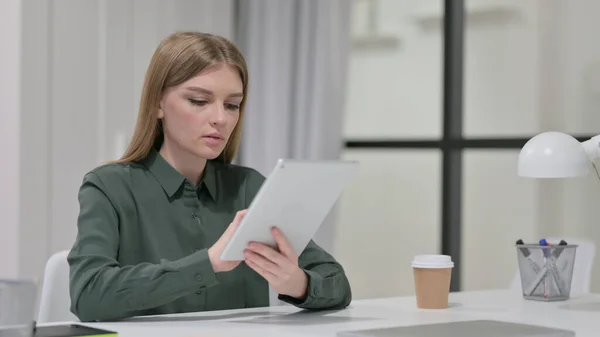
(527, 254)
(560, 266)
(550, 260)
(541, 275)
(565, 262)
(558, 251)
(549, 267)
(546, 252)
(538, 272)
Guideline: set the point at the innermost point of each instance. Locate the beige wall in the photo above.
(80, 65)
(10, 22)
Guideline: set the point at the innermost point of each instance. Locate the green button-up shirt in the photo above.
(142, 245)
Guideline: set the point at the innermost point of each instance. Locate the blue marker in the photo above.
(544, 243)
(547, 255)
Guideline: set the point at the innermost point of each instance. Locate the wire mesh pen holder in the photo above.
(546, 271)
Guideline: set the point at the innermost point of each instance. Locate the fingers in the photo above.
(269, 253)
(236, 221)
(285, 247)
(271, 278)
(263, 263)
(239, 216)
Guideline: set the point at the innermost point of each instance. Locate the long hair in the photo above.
(178, 58)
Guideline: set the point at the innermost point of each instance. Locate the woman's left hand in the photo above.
(279, 268)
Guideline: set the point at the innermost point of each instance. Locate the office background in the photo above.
(72, 74)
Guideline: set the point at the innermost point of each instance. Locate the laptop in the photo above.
(478, 328)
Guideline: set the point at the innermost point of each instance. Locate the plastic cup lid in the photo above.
(432, 261)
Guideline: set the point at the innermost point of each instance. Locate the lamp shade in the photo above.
(553, 155)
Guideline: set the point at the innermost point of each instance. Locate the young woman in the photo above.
(152, 225)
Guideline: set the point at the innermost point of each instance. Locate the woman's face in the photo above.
(200, 114)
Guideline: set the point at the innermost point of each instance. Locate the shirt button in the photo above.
(316, 292)
(199, 292)
(198, 277)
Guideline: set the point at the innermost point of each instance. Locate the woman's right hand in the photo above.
(215, 251)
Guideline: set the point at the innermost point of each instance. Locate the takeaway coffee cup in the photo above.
(432, 274)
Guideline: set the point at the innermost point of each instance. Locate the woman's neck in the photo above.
(189, 165)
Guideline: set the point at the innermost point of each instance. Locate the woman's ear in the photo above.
(160, 114)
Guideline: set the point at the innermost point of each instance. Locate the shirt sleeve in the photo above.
(328, 286)
(101, 288)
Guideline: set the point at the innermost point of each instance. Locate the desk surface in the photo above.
(580, 314)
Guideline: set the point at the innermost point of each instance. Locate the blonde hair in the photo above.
(178, 58)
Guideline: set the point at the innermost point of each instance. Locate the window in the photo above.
(442, 96)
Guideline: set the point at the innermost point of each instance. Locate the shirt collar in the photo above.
(210, 179)
(170, 179)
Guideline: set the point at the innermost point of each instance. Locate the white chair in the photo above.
(55, 300)
(582, 271)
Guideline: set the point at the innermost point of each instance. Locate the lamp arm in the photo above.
(592, 148)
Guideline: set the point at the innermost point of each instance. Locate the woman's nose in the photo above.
(218, 115)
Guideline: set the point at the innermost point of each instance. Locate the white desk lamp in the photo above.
(558, 155)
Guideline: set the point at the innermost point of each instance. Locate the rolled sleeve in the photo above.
(328, 286)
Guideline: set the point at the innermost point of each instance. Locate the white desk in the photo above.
(580, 313)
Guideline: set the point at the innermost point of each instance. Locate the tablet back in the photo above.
(296, 198)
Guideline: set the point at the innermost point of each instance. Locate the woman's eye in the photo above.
(198, 102)
(202, 102)
(232, 106)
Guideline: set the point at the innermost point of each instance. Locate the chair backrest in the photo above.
(55, 301)
(582, 270)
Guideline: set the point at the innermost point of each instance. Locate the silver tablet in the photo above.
(296, 197)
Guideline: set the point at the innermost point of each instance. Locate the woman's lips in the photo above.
(212, 140)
